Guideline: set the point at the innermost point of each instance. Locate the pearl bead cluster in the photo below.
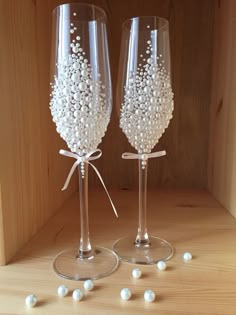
(79, 101)
(77, 294)
(149, 295)
(148, 102)
(125, 293)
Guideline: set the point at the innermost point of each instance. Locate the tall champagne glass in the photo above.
(145, 99)
(81, 103)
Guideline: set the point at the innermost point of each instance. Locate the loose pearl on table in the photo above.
(88, 285)
(136, 273)
(149, 296)
(161, 265)
(31, 300)
(187, 256)
(125, 294)
(77, 295)
(62, 290)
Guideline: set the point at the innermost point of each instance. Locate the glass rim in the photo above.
(83, 4)
(165, 21)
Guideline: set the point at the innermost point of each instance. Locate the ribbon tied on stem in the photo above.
(90, 156)
(142, 156)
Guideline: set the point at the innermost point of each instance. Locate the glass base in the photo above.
(157, 250)
(102, 264)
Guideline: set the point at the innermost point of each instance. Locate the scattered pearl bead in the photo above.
(31, 300)
(88, 285)
(161, 265)
(125, 294)
(187, 256)
(62, 290)
(149, 296)
(136, 273)
(77, 295)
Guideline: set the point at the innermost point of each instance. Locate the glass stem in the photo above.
(85, 249)
(142, 236)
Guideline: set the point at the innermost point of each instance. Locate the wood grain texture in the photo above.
(222, 149)
(31, 172)
(191, 220)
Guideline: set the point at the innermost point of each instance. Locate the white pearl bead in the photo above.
(88, 285)
(75, 65)
(141, 98)
(76, 96)
(77, 295)
(161, 265)
(65, 91)
(31, 300)
(74, 76)
(75, 49)
(125, 294)
(84, 73)
(82, 86)
(136, 273)
(187, 256)
(62, 290)
(83, 108)
(147, 89)
(149, 296)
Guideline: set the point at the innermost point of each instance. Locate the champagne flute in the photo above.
(145, 98)
(81, 103)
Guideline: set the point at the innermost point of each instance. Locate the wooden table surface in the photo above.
(191, 220)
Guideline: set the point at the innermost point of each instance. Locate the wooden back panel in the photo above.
(32, 172)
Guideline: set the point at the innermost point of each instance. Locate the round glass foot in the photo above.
(157, 250)
(102, 264)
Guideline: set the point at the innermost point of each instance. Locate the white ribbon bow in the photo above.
(85, 159)
(142, 156)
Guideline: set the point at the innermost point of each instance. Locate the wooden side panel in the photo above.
(222, 149)
(31, 171)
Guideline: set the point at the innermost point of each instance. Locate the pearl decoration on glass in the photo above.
(77, 295)
(62, 290)
(88, 285)
(31, 300)
(136, 273)
(149, 296)
(73, 89)
(161, 265)
(125, 294)
(148, 94)
(187, 256)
